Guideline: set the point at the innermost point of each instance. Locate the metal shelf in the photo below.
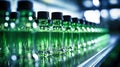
(97, 59)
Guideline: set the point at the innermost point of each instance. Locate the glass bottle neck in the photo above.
(56, 22)
(66, 23)
(25, 13)
(42, 22)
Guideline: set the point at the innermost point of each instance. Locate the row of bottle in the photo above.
(26, 39)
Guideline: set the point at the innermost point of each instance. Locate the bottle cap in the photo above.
(91, 23)
(67, 18)
(57, 15)
(25, 5)
(82, 21)
(5, 5)
(43, 15)
(75, 20)
(86, 22)
(14, 15)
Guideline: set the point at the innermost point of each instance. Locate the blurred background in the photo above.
(105, 12)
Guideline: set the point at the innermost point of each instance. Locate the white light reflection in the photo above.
(114, 13)
(84, 44)
(84, 49)
(96, 3)
(29, 55)
(104, 13)
(89, 43)
(6, 24)
(7, 18)
(87, 3)
(12, 25)
(35, 56)
(30, 18)
(113, 1)
(34, 25)
(14, 57)
(93, 30)
(92, 16)
(83, 28)
(28, 24)
(88, 29)
(64, 58)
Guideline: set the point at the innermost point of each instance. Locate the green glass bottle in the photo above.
(83, 37)
(4, 18)
(12, 40)
(67, 32)
(56, 33)
(25, 33)
(42, 37)
(76, 34)
(75, 39)
(92, 36)
(103, 37)
(66, 39)
(89, 35)
(95, 34)
(57, 37)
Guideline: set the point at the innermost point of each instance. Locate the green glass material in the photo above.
(4, 17)
(26, 43)
(76, 36)
(42, 37)
(25, 37)
(11, 38)
(81, 38)
(67, 35)
(56, 34)
(25, 20)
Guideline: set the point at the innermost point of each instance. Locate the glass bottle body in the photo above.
(4, 18)
(56, 36)
(25, 37)
(42, 37)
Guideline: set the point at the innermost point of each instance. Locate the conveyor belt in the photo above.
(95, 60)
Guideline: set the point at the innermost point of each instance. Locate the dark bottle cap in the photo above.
(25, 5)
(82, 21)
(43, 15)
(91, 23)
(57, 15)
(86, 22)
(67, 18)
(5, 5)
(75, 20)
(14, 15)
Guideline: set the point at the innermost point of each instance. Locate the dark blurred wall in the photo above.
(114, 26)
